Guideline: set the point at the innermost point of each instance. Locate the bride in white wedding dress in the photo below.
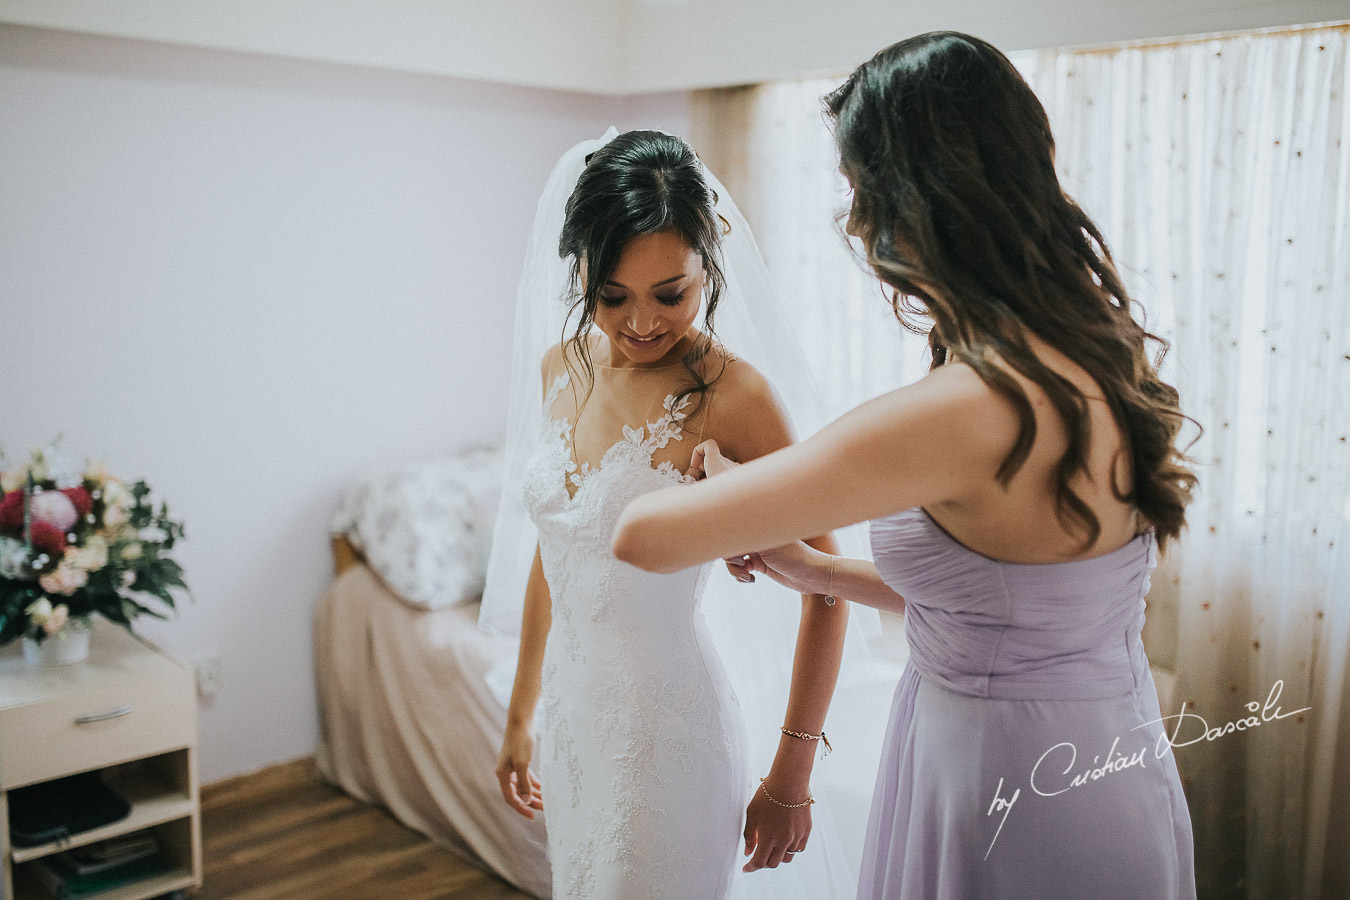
(642, 755)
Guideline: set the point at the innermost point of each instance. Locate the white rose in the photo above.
(91, 557)
(13, 559)
(114, 516)
(115, 492)
(39, 611)
(56, 619)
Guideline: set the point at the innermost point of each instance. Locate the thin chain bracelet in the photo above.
(830, 599)
(803, 736)
(772, 799)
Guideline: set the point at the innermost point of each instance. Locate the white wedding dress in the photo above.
(641, 746)
(646, 759)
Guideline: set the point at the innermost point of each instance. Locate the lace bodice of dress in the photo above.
(635, 701)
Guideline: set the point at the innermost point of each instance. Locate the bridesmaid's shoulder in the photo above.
(951, 407)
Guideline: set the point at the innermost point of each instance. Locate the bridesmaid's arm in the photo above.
(939, 440)
(803, 567)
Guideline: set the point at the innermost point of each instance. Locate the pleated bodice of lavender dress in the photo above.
(1026, 755)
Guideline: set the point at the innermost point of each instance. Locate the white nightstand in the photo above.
(130, 711)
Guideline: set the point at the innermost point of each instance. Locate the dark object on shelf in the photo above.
(63, 807)
(69, 886)
(102, 856)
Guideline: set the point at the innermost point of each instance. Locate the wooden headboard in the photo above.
(344, 554)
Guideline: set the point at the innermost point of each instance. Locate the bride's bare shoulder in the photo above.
(746, 414)
(738, 382)
(553, 362)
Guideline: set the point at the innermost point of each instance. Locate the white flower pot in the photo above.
(68, 646)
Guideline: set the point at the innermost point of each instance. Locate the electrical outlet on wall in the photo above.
(207, 669)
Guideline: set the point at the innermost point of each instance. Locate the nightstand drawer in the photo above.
(101, 726)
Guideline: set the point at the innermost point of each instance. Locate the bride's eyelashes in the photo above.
(673, 299)
(616, 300)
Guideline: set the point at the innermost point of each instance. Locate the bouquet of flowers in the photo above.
(73, 546)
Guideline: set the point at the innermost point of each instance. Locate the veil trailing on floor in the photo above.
(755, 626)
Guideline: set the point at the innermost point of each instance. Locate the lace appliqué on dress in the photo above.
(633, 716)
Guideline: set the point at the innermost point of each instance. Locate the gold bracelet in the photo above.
(830, 599)
(772, 799)
(803, 736)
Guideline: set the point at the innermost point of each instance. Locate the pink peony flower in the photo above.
(54, 507)
(64, 580)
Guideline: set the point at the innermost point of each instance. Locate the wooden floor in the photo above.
(282, 834)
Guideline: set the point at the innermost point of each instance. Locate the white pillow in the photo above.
(425, 527)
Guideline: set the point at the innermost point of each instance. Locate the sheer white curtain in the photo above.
(770, 145)
(1219, 171)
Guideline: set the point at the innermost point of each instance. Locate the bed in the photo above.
(408, 720)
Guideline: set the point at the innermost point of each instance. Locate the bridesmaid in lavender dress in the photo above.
(1018, 494)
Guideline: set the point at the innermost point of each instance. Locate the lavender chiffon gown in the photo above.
(1025, 756)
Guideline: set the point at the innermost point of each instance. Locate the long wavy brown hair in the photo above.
(960, 212)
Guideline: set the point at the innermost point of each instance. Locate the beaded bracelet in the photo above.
(772, 799)
(803, 736)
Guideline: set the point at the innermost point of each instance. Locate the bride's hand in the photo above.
(520, 787)
(774, 834)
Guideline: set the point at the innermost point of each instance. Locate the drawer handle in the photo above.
(104, 716)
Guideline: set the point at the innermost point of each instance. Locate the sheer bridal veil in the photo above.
(754, 625)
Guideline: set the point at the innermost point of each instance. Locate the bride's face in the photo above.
(648, 306)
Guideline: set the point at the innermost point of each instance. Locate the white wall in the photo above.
(634, 46)
(249, 280)
(522, 42)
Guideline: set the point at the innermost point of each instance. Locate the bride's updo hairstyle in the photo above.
(959, 210)
(639, 183)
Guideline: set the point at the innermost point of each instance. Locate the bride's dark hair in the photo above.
(959, 209)
(639, 183)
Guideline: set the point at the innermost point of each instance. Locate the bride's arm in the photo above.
(519, 786)
(751, 423)
(772, 829)
(941, 439)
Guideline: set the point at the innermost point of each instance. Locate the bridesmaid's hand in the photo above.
(774, 834)
(708, 461)
(520, 788)
(797, 566)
